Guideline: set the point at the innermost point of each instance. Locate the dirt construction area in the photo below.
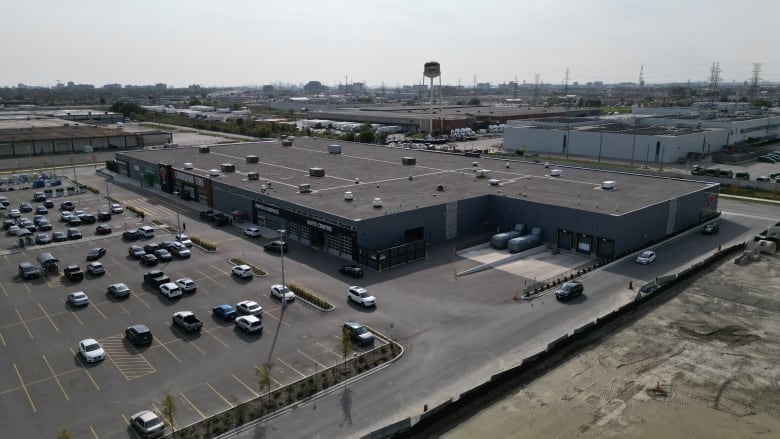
(704, 363)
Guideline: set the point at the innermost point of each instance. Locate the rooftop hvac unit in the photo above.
(316, 172)
(286, 142)
(304, 188)
(252, 159)
(494, 182)
(214, 172)
(334, 149)
(204, 149)
(377, 203)
(227, 167)
(348, 196)
(608, 185)
(253, 176)
(555, 172)
(408, 161)
(188, 166)
(482, 173)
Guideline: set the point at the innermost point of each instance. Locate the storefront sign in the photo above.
(188, 178)
(269, 209)
(319, 225)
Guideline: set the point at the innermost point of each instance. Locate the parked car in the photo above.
(91, 350)
(67, 205)
(224, 312)
(359, 333)
(130, 235)
(39, 197)
(249, 307)
(243, 271)
(146, 232)
(766, 159)
(14, 213)
(73, 273)
(41, 210)
(170, 290)
(88, 218)
(65, 215)
(569, 290)
(118, 290)
(252, 232)
(28, 271)
(42, 239)
(104, 216)
(116, 208)
(361, 296)
(139, 335)
(44, 225)
(249, 323)
(96, 268)
(645, 257)
(276, 246)
(282, 293)
(78, 298)
(96, 253)
(149, 260)
(74, 233)
(710, 228)
(48, 204)
(148, 424)
(184, 239)
(25, 207)
(136, 251)
(74, 221)
(187, 285)
(152, 247)
(59, 236)
(103, 229)
(351, 270)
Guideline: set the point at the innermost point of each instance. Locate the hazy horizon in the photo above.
(245, 43)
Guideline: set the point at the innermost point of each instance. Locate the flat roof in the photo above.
(20, 131)
(371, 171)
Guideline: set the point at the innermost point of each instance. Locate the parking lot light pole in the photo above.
(178, 224)
(284, 285)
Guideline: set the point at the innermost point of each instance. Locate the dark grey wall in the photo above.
(388, 230)
(473, 213)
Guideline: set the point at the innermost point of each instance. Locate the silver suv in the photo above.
(359, 333)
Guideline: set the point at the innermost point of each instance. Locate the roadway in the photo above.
(459, 332)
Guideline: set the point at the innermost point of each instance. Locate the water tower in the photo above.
(432, 69)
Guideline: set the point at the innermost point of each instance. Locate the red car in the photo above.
(103, 229)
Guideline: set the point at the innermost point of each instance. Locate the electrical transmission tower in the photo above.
(536, 85)
(566, 83)
(714, 80)
(753, 92)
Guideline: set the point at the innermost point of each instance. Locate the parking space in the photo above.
(42, 372)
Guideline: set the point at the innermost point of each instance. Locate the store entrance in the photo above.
(317, 238)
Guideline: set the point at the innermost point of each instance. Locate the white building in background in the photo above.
(664, 138)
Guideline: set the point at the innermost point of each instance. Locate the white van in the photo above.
(146, 232)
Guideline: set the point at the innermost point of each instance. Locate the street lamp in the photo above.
(178, 224)
(284, 285)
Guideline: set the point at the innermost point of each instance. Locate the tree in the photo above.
(473, 102)
(169, 409)
(127, 108)
(264, 380)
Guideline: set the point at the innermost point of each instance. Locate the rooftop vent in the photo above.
(608, 185)
(377, 203)
(188, 166)
(286, 142)
(252, 159)
(408, 161)
(204, 149)
(253, 176)
(304, 188)
(494, 182)
(348, 196)
(555, 172)
(214, 172)
(482, 173)
(475, 164)
(316, 172)
(227, 167)
(334, 149)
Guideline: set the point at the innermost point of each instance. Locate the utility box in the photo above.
(316, 172)
(252, 159)
(334, 149)
(499, 241)
(227, 167)
(253, 176)
(409, 161)
(204, 149)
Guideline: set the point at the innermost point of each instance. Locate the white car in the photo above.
(116, 208)
(249, 324)
(96, 268)
(184, 239)
(252, 232)
(65, 215)
(78, 298)
(91, 350)
(645, 257)
(283, 293)
(14, 213)
(170, 290)
(186, 284)
(242, 271)
(249, 307)
(148, 424)
(361, 295)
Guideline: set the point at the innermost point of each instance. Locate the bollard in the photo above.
(630, 285)
(425, 408)
(718, 248)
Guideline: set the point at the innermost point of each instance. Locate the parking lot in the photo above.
(45, 385)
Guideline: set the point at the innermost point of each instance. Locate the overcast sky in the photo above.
(256, 42)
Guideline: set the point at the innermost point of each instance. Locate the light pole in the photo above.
(178, 224)
(108, 198)
(284, 285)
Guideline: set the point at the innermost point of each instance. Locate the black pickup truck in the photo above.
(218, 218)
(73, 273)
(156, 278)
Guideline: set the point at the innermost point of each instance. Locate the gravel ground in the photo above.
(704, 364)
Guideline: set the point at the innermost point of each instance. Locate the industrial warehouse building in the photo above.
(639, 138)
(381, 206)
